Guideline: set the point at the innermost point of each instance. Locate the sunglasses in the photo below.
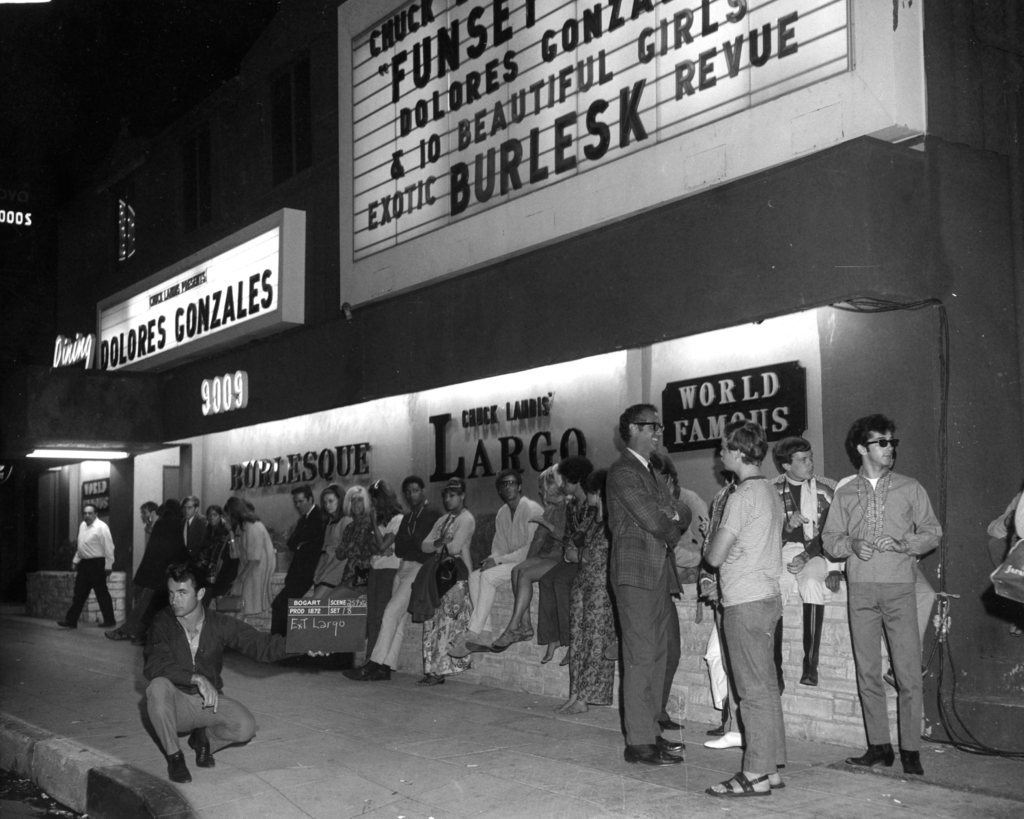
(884, 442)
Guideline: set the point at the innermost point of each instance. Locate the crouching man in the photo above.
(184, 658)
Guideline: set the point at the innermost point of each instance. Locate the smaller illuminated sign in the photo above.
(696, 411)
(125, 230)
(251, 283)
(328, 464)
(78, 350)
(97, 493)
(225, 393)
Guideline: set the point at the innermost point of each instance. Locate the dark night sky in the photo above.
(70, 70)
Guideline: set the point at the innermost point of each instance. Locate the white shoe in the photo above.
(732, 739)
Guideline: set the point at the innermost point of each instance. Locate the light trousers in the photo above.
(750, 641)
(396, 615)
(483, 585)
(173, 712)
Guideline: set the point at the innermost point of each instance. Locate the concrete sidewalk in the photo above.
(328, 747)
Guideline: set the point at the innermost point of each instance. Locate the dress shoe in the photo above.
(368, 671)
(114, 634)
(669, 725)
(650, 755)
(377, 673)
(875, 755)
(730, 739)
(177, 770)
(431, 679)
(66, 624)
(671, 745)
(911, 762)
(201, 744)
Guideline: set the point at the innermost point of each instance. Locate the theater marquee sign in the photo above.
(459, 106)
(696, 411)
(249, 284)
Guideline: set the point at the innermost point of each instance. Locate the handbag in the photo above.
(1008, 579)
(448, 571)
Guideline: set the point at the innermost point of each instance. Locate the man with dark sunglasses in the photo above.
(883, 521)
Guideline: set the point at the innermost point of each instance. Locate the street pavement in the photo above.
(72, 705)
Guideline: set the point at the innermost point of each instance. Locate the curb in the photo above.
(85, 780)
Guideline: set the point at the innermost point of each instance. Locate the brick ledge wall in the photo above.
(48, 594)
(828, 713)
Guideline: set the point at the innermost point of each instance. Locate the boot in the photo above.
(814, 615)
(778, 657)
(726, 716)
(876, 755)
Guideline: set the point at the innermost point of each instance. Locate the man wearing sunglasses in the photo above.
(645, 526)
(883, 521)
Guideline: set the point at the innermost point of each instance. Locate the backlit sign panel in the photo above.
(459, 106)
(251, 283)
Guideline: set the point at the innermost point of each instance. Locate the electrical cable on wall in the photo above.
(960, 736)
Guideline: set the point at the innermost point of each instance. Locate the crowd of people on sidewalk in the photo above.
(607, 549)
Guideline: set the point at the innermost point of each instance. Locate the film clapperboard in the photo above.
(334, 626)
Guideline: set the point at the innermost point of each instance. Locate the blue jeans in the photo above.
(750, 643)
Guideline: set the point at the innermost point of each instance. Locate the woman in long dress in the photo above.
(591, 614)
(454, 532)
(256, 556)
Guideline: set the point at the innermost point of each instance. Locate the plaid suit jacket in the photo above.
(642, 534)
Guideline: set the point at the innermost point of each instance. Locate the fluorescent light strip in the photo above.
(84, 454)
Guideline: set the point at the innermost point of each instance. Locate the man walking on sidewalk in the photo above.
(184, 658)
(93, 561)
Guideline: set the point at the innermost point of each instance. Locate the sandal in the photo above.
(507, 639)
(746, 787)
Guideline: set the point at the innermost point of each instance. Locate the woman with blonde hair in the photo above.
(359, 543)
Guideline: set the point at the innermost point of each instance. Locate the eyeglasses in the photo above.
(654, 425)
(885, 442)
(509, 482)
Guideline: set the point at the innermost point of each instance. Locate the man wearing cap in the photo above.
(645, 527)
(514, 526)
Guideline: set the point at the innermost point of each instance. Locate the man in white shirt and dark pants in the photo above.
(94, 558)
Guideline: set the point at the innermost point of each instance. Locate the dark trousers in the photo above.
(645, 615)
(91, 577)
(378, 595)
(146, 604)
(279, 605)
(553, 604)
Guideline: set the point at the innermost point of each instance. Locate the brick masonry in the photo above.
(49, 595)
(828, 713)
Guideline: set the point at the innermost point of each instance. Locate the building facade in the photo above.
(448, 238)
